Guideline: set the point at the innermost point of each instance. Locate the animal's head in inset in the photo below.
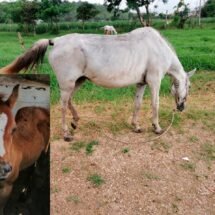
(7, 127)
(5, 169)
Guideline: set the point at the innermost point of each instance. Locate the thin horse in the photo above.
(22, 140)
(141, 57)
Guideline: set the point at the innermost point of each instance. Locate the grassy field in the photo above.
(195, 48)
(120, 25)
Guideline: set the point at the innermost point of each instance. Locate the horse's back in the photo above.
(110, 61)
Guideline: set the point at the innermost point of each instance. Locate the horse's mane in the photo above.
(169, 44)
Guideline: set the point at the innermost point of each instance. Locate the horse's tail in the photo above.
(29, 59)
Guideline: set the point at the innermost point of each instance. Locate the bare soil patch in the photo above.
(172, 175)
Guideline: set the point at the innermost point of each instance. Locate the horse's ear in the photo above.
(13, 97)
(191, 73)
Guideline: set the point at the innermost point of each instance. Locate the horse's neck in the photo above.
(177, 71)
(179, 76)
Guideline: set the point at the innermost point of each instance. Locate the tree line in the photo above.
(28, 13)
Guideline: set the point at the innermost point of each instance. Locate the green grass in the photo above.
(188, 166)
(116, 126)
(150, 175)
(161, 146)
(77, 146)
(195, 48)
(204, 115)
(89, 147)
(125, 150)
(120, 25)
(207, 153)
(66, 170)
(73, 198)
(96, 180)
(194, 139)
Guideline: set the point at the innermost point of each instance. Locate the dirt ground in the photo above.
(172, 175)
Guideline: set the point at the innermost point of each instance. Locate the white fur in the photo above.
(3, 123)
(118, 61)
(109, 29)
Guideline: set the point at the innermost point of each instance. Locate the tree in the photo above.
(10, 11)
(29, 11)
(86, 11)
(135, 5)
(208, 9)
(181, 14)
(50, 10)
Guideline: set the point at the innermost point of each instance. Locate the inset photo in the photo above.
(24, 144)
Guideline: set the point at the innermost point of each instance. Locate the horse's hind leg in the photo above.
(65, 96)
(74, 122)
(76, 118)
(137, 105)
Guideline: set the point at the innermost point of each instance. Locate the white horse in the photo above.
(141, 57)
(109, 29)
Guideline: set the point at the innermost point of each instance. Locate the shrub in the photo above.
(41, 29)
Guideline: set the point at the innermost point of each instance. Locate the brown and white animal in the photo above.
(22, 139)
(109, 30)
(142, 57)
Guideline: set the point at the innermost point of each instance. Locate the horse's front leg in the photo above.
(137, 105)
(155, 88)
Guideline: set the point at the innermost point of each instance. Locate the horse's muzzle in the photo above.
(5, 169)
(180, 107)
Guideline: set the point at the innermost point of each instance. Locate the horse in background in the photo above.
(109, 30)
(141, 57)
(22, 140)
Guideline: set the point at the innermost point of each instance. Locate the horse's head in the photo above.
(180, 89)
(7, 127)
(5, 169)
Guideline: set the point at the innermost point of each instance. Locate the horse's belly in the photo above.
(116, 80)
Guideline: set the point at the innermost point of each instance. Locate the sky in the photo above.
(161, 7)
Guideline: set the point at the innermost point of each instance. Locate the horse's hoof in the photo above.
(74, 125)
(138, 130)
(159, 131)
(68, 138)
